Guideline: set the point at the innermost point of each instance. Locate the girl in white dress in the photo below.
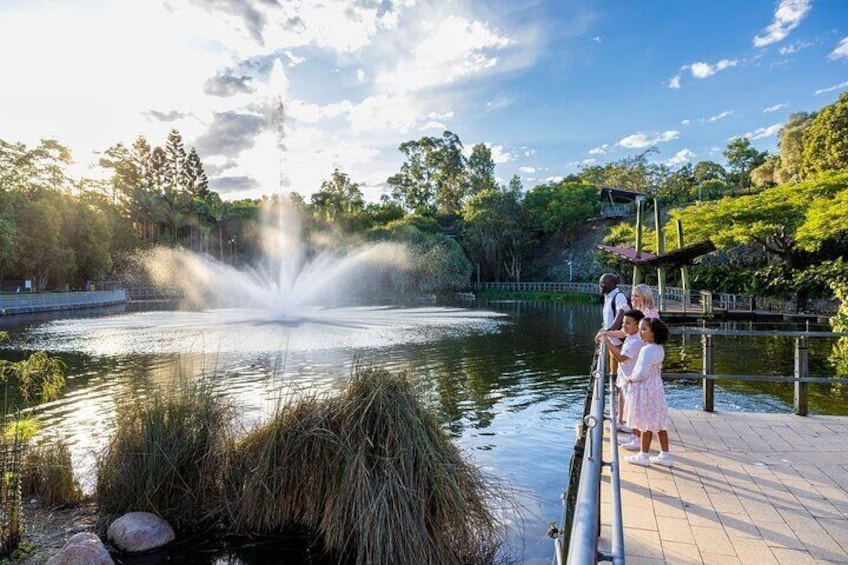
(647, 409)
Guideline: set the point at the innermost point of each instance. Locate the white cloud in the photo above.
(839, 86)
(600, 150)
(760, 133)
(681, 157)
(775, 108)
(841, 50)
(720, 116)
(590, 161)
(703, 70)
(642, 140)
(794, 48)
(527, 170)
(499, 154)
(674, 83)
(788, 15)
(449, 51)
(685, 122)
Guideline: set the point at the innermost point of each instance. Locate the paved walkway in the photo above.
(745, 488)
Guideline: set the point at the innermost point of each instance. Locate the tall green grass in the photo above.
(167, 456)
(371, 473)
(48, 473)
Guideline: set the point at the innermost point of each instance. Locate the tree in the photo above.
(708, 170)
(481, 170)
(561, 206)
(801, 225)
(632, 173)
(196, 181)
(339, 198)
(791, 142)
(433, 177)
(742, 158)
(825, 141)
(494, 232)
(766, 174)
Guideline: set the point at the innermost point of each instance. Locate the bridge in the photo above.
(745, 488)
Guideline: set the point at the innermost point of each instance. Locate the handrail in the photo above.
(582, 546)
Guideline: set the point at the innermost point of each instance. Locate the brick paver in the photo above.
(745, 488)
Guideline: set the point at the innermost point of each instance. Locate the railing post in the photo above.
(708, 383)
(801, 371)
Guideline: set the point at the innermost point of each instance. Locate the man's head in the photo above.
(607, 283)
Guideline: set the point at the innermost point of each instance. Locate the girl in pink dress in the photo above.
(647, 410)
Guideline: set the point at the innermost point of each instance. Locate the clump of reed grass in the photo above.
(48, 473)
(371, 472)
(167, 456)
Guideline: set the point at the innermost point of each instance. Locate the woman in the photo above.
(642, 299)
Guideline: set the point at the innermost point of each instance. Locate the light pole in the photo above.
(570, 270)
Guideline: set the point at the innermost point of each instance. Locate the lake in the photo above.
(507, 379)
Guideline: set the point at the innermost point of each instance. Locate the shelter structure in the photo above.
(619, 202)
(680, 258)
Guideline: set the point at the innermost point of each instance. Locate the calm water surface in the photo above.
(506, 378)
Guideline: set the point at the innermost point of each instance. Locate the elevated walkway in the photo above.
(745, 488)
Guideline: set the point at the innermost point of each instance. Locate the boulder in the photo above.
(82, 549)
(136, 532)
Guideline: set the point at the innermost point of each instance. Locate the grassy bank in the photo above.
(572, 297)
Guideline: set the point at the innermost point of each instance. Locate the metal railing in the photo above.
(800, 379)
(704, 301)
(576, 541)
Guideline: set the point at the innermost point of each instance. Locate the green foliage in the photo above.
(38, 377)
(561, 206)
(825, 140)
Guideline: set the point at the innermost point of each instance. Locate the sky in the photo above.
(549, 86)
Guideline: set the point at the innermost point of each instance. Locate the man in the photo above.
(615, 302)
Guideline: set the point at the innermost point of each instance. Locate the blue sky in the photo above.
(550, 86)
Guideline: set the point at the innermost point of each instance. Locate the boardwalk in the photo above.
(745, 488)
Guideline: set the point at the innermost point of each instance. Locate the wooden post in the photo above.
(660, 251)
(637, 273)
(801, 371)
(708, 384)
(684, 272)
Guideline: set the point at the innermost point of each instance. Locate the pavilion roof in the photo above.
(676, 258)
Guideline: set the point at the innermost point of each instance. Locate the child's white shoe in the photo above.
(633, 445)
(663, 459)
(642, 459)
